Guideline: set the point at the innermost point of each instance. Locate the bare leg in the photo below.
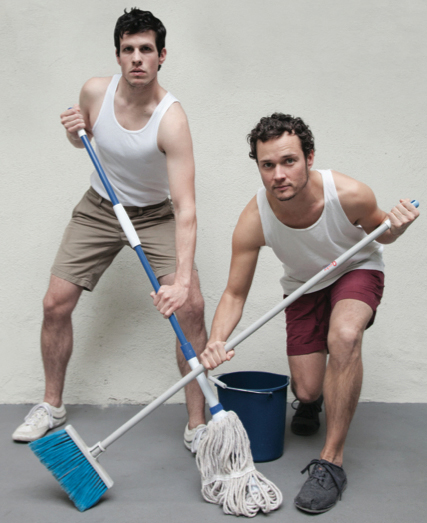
(344, 372)
(57, 335)
(191, 320)
(308, 373)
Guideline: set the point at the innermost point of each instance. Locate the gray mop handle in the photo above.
(147, 410)
(308, 285)
(97, 449)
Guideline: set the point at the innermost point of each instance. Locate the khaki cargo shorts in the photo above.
(94, 237)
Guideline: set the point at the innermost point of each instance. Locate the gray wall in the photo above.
(355, 71)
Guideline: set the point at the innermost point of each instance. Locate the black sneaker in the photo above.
(306, 418)
(325, 484)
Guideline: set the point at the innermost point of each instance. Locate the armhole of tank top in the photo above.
(166, 102)
(113, 86)
(263, 209)
(333, 195)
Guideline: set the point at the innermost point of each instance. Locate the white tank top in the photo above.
(304, 252)
(131, 159)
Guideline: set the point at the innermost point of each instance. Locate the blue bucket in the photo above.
(259, 399)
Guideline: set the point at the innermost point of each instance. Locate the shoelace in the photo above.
(36, 414)
(319, 471)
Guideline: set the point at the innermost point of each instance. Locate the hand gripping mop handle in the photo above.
(133, 239)
(310, 283)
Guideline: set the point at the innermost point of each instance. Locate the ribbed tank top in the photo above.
(304, 252)
(131, 159)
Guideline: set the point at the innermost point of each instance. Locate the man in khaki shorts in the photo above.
(144, 144)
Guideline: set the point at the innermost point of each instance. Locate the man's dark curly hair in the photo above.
(137, 21)
(274, 126)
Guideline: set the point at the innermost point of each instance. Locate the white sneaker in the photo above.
(192, 437)
(39, 420)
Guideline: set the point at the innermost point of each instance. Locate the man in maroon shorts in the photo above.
(309, 217)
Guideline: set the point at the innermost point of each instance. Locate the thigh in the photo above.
(360, 285)
(307, 322)
(91, 241)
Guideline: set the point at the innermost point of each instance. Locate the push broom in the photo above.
(75, 465)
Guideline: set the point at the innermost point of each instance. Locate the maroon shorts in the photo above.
(307, 319)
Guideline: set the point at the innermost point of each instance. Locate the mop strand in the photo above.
(229, 476)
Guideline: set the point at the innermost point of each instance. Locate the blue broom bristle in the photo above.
(59, 453)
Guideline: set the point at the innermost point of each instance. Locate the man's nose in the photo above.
(279, 172)
(136, 57)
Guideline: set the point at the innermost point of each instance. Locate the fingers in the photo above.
(169, 299)
(72, 119)
(402, 215)
(215, 354)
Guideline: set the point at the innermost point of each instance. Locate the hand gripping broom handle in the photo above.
(135, 243)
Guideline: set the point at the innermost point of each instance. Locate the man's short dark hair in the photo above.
(274, 126)
(137, 21)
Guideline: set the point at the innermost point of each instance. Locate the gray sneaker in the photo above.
(39, 420)
(325, 484)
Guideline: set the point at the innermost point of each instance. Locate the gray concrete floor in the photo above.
(156, 478)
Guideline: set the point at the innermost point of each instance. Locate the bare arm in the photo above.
(175, 140)
(360, 205)
(84, 114)
(247, 240)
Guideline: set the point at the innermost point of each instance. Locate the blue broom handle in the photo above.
(138, 249)
(125, 222)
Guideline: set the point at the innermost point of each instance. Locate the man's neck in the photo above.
(305, 208)
(140, 95)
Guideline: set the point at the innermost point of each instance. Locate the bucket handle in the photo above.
(225, 386)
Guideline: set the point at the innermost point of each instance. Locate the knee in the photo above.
(56, 308)
(193, 310)
(344, 345)
(304, 392)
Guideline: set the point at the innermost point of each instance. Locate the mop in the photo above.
(228, 448)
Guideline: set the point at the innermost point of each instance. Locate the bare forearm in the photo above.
(185, 239)
(227, 316)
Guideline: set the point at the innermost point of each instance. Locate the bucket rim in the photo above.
(268, 390)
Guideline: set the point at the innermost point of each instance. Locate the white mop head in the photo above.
(229, 477)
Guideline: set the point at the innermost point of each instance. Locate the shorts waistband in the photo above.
(129, 208)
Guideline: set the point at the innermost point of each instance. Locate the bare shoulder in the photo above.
(174, 119)
(91, 98)
(174, 130)
(357, 199)
(95, 88)
(248, 234)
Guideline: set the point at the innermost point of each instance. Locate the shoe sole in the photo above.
(317, 511)
(28, 439)
(301, 433)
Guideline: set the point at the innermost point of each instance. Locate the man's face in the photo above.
(139, 58)
(283, 167)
